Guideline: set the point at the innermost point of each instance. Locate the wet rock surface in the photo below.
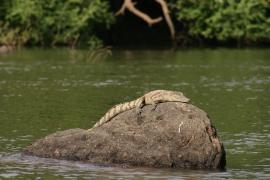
(174, 134)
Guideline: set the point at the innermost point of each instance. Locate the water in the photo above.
(45, 90)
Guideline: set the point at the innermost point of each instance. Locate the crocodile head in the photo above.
(176, 96)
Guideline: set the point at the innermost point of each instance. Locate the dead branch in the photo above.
(129, 5)
(167, 16)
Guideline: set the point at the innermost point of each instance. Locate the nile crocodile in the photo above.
(150, 98)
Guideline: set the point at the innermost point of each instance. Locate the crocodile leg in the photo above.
(155, 106)
(139, 107)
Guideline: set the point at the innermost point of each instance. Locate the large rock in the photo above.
(174, 135)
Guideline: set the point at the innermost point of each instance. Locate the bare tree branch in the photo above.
(129, 5)
(167, 16)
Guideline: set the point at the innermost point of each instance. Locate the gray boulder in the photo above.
(174, 134)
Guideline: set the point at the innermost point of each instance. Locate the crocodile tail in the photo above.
(101, 121)
(117, 109)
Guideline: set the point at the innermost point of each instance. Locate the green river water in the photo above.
(46, 90)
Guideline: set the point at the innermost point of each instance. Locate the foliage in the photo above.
(223, 20)
(76, 22)
(54, 22)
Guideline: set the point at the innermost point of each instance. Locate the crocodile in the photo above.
(150, 98)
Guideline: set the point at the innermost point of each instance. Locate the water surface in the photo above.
(47, 90)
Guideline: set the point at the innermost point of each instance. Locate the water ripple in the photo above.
(18, 165)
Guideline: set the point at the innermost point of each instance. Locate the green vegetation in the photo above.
(75, 22)
(245, 21)
(53, 22)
